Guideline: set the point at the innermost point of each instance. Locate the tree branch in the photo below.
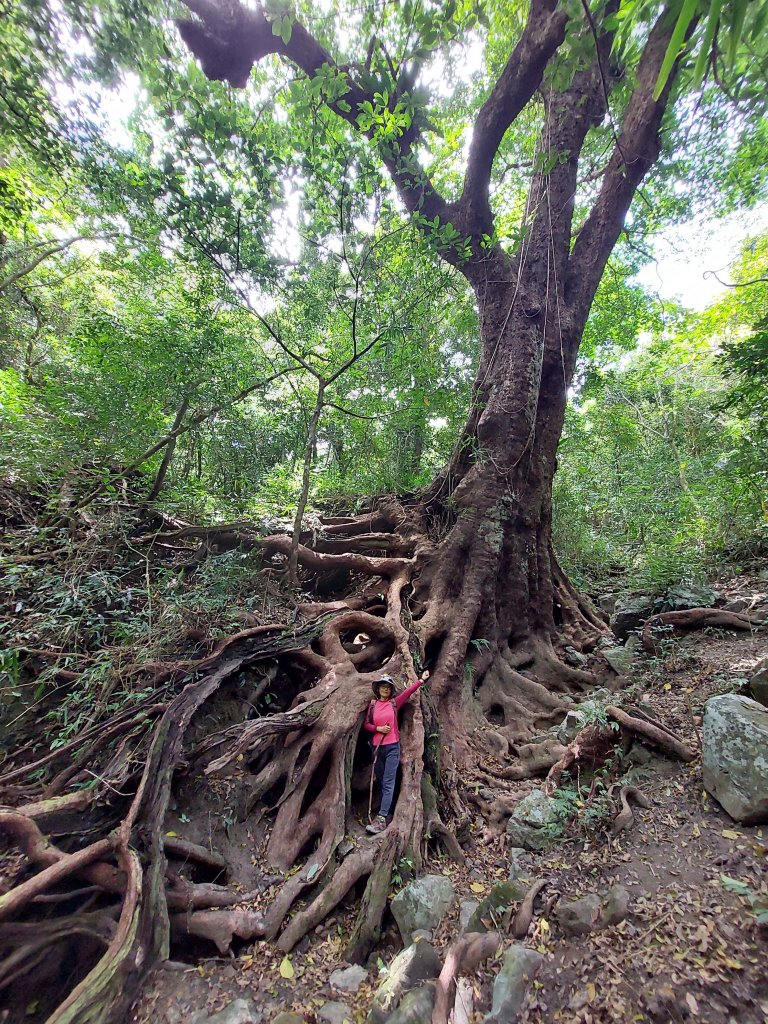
(229, 39)
(635, 152)
(517, 83)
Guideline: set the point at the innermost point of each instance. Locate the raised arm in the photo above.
(401, 698)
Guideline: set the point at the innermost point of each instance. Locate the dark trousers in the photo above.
(385, 767)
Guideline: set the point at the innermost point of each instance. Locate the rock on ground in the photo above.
(466, 910)
(528, 825)
(416, 1007)
(415, 964)
(593, 912)
(620, 659)
(686, 595)
(422, 904)
(348, 979)
(494, 905)
(631, 615)
(239, 1011)
(735, 756)
(518, 969)
(335, 1013)
(758, 684)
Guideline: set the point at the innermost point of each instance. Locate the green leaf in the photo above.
(713, 19)
(675, 44)
(738, 14)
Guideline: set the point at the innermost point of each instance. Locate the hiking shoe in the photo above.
(376, 826)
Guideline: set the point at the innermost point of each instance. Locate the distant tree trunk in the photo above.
(170, 448)
(309, 457)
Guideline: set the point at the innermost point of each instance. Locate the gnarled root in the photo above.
(625, 817)
(219, 926)
(524, 915)
(653, 732)
(694, 618)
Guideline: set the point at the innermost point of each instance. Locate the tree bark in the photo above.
(170, 448)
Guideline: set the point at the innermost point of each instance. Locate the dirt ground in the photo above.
(690, 948)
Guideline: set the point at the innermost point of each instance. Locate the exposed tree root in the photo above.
(524, 915)
(464, 955)
(218, 926)
(625, 817)
(592, 744)
(653, 732)
(184, 850)
(494, 693)
(668, 623)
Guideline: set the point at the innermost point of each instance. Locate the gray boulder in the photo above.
(579, 917)
(518, 969)
(686, 595)
(530, 826)
(621, 659)
(335, 1013)
(631, 615)
(416, 1007)
(286, 1017)
(411, 967)
(575, 658)
(466, 910)
(615, 906)
(348, 979)
(493, 906)
(239, 1011)
(593, 912)
(607, 603)
(422, 904)
(517, 863)
(758, 684)
(735, 756)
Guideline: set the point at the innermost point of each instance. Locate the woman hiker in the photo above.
(381, 720)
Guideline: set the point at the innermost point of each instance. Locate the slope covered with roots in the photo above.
(218, 792)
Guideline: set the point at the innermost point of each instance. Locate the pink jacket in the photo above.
(384, 712)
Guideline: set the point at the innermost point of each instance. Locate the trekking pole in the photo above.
(373, 775)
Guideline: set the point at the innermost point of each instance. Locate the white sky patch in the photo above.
(688, 254)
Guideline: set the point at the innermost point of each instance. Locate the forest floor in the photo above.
(689, 949)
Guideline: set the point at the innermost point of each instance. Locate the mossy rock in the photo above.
(494, 905)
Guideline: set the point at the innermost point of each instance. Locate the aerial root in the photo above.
(625, 817)
(249, 736)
